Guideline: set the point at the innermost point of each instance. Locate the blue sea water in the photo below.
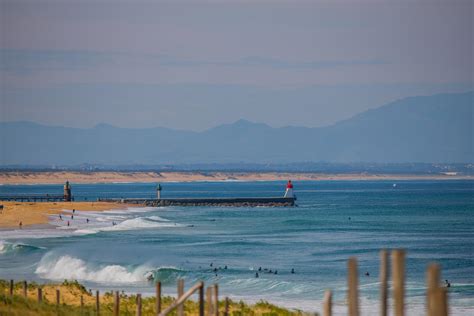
(334, 220)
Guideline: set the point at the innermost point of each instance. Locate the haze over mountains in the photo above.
(417, 129)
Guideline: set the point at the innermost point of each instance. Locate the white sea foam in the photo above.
(71, 268)
(158, 218)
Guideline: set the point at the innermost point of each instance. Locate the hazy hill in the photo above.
(418, 129)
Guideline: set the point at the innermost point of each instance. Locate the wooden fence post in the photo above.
(432, 283)
(352, 280)
(40, 294)
(25, 289)
(201, 300)
(58, 297)
(439, 302)
(226, 308)
(12, 286)
(97, 303)
(180, 309)
(158, 298)
(383, 282)
(139, 305)
(116, 304)
(398, 275)
(209, 301)
(327, 303)
(82, 304)
(216, 300)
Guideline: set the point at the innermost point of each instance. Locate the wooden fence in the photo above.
(436, 295)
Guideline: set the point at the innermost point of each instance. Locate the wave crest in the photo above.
(7, 247)
(70, 268)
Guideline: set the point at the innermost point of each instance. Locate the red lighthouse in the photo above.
(289, 190)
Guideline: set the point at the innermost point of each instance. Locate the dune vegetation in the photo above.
(70, 303)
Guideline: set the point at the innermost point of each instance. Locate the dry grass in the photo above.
(72, 291)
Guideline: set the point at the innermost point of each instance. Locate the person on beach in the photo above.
(60, 217)
(68, 223)
(21, 225)
(87, 220)
(72, 216)
(73, 211)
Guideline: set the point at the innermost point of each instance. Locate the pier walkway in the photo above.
(234, 202)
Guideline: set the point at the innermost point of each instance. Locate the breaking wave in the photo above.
(7, 247)
(71, 268)
(67, 267)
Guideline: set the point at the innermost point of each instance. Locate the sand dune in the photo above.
(59, 177)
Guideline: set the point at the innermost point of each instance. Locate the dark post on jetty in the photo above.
(67, 192)
(288, 199)
(66, 197)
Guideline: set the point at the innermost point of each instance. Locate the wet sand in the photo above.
(37, 213)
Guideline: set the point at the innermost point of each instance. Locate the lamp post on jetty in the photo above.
(67, 192)
(158, 191)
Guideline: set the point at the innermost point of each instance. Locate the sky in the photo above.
(197, 64)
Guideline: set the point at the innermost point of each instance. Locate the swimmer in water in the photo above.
(292, 271)
(367, 273)
(256, 274)
(60, 217)
(87, 220)
(67, 223)
(150, 277)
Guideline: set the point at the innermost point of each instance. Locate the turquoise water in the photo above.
(432, 220)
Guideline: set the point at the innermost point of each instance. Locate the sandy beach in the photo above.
(59, 177)
(36, 213)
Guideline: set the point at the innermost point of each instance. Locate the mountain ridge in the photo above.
(430, 129)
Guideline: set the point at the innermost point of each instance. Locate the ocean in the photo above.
(333, 220)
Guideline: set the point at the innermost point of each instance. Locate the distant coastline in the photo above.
(58, 177)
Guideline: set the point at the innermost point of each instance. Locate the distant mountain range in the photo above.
(431, 129)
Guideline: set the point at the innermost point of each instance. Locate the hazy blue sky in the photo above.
(194, 64)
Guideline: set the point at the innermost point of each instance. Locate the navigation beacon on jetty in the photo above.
(288, 199)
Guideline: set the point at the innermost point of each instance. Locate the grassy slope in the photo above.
(70, 303)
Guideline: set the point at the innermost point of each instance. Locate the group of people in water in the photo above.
(72, 218)
(257, 274)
